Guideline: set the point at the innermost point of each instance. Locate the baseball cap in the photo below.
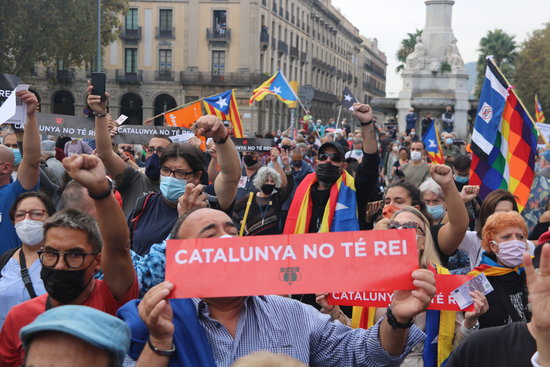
(334, 145)
(88, 324)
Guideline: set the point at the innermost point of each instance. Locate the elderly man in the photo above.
(75, 336)
(27, 173)
(73, 250)
(237, 326)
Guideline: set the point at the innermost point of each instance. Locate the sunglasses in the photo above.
(407, 225)
(335, 157)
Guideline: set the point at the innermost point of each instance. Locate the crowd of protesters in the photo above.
(84, 225)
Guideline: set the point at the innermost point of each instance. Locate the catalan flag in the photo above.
(433, 146)
(504, 141)
(539, 114)
(224, 105)
(276, 85)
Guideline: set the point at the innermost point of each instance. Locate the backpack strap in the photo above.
(141, 204)
(5, 257)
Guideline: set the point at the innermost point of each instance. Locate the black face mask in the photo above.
(152, 167)
(267, 188)
(286, 147)
(250, 160)
(64, 285)
(327, 173)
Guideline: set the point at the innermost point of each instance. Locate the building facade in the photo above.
(172, 52)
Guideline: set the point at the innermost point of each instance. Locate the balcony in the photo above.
(64, 76)
(325, 97)
(164, 75)
(165, 33)
(294, 53)
(227, 79)
(303, 57)
(130, 34)
(282, 47)
(218, 35)
(124, 77)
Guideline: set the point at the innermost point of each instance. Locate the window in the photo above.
(165, 61)
(132, 19)
(130, 60)
(220, 22)
(218, 63)
(165, 21)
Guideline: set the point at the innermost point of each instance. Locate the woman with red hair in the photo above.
(504, 240)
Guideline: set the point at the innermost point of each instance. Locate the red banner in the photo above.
(442, 300)
(292, 264)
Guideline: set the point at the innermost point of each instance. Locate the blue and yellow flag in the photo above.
(224, 105)
(433, 146)
(278, 86)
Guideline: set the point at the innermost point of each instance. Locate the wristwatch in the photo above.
(366, 123)
(162, 352)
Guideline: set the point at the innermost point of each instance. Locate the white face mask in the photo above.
(416, 155)
(30, 232)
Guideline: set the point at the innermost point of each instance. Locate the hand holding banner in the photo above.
(292, 264)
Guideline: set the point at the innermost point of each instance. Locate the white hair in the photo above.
(262, 175)
(431, 185)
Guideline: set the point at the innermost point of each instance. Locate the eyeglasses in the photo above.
(178, 173)
(73, 260)
(155, 149)
(35, 214)
(407, 225)
(335, 157)
(12, 145)
(127, 149)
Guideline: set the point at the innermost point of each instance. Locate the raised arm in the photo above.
(451, 234)
(227, 180)
(116, 261)
(29, 169)
(104, 149)
(274, 155)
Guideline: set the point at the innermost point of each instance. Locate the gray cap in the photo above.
(47, 147)
(92, 326)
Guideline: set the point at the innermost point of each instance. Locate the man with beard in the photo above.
(330, 199)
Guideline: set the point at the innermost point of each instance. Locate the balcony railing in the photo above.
(236, 79)
(131, 34)
(164, 75)
(166, 33)
(294, 53)
(124, 77)
(222, 34)
(282, 47)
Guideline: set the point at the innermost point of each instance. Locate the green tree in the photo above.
(503, 47)
(533, 71)
(407, 46)
(54, 31)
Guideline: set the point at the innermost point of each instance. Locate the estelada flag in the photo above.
(224, 105)
(184, 117)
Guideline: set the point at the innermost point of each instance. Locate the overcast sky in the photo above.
(390, 20)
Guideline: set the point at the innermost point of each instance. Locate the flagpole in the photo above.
(338, 118)
(183, 105)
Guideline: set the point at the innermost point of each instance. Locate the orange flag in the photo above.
(184, 117)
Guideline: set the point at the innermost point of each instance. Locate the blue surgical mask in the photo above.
(357, 151)
(172, 188)
(462, 179)
(449, 141)
(436, 211)
(16, 156)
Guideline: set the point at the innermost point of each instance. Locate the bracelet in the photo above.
(366, 123)
(162, 352)
(103, 195)
(99, 114)
(393, 321)
(224, 139)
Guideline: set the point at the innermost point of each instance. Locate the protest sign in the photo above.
(13, 110)
(443, 299)
(252, 145)
(292, 264)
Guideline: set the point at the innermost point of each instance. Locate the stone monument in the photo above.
(434, 76)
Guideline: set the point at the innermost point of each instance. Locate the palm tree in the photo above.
(407, 46)
(503, 48)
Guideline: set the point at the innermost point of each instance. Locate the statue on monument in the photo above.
(416, 59)
(453, 56)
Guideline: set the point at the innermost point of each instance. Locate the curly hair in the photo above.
(263, 173)
(497, 222)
